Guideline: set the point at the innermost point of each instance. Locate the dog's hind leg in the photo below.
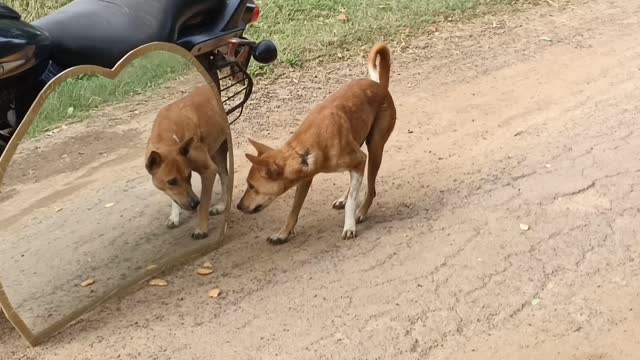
(358, 161)
(174, 218)
(342, 200)
(207, 177)
(220, 159)
(380, 132)
(375, 159)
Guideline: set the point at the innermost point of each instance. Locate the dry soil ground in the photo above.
(529, 119)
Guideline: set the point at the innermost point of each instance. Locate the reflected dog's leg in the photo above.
(220, 159)
(221, 204)
(174, 218)
(202, 229)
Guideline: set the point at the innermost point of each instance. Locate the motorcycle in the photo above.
(97, 32)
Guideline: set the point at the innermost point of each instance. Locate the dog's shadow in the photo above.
(319, 227)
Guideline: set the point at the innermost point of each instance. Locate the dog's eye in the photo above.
(250, 186)
(172, 182)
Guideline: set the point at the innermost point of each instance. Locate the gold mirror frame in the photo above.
(35, 339)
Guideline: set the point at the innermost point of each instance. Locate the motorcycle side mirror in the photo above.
(265, 52)
(123, 237)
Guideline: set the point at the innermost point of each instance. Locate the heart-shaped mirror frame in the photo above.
(35, 338)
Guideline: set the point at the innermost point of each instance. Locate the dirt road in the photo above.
(531, 119)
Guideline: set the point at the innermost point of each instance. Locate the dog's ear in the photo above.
(185, 148)
(154, 160)
(258, 161)
(260, 148)
(271, 168)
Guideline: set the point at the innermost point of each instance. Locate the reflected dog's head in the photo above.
(267, 178)
(171, 169)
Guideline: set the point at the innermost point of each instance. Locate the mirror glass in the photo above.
(79, 215)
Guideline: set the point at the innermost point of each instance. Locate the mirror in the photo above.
(80, 218)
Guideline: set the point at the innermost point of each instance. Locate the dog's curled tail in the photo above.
(379, 71)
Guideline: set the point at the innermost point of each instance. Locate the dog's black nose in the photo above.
(194, 203)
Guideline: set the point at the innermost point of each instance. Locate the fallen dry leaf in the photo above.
(152, 266)
(207, 265)
(158, 282)
(342, 17)
(214, 293)
(524, 227)
(58, 209)
(109, 205)
(204, 271)
(87, 282)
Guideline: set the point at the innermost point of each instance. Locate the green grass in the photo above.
(76, 97)
(306, 32)
(35, 9)
(310, 30)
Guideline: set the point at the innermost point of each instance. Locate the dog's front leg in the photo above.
(174, 218)
(283, 235)
(202, 229)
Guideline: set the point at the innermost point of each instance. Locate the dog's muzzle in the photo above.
(255, 210)
(194, 203)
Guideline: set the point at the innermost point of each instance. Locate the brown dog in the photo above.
(329, 140)
(188, 135)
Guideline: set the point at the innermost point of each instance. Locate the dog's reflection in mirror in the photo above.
(77, 202)
(188, 136)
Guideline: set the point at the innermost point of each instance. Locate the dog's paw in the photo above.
(199, 235)
(172, 223)
(217, 209)
(339, 204)
(278, 239)
(349, 234)
(360, 218)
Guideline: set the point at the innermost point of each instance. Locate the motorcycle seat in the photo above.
(101, 32)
